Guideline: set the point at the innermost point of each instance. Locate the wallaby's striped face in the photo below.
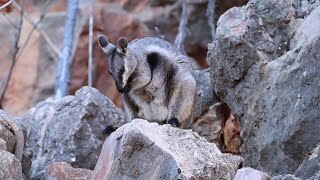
(119, 65)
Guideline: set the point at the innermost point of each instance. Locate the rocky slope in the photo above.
(260, 93)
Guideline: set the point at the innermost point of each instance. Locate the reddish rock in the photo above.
(107, 18)
(17, 98)
(218, 125)
(63, 171)
(231, 136)
(135, 6)
(59, 5)
(7, 39)
(210, 124)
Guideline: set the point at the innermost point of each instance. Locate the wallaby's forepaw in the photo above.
(174, 122)
(108, 130)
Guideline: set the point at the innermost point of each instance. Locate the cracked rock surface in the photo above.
(265, 65)
(14, 164)
(143, 150)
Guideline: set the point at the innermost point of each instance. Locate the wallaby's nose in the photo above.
(120, 90)
(126, 89)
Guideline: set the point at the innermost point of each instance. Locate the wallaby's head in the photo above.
(120, 64)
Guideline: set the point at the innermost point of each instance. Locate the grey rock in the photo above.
(305, 7)
(270, 87)
(248, 173)
(3, 145)
(26, 161)
(285, 177)
(143, 150)
(70, 129)
(10, 167)
(315, 177)
(310, 167)
(205, 93)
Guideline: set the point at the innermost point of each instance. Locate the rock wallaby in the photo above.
(156, 80)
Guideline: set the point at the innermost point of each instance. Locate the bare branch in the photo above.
(9, 20)
(210, 14)
(63, 67)
(16, 50)
(6, 4)
(3, 83)
(90, 46)
(182, 27)
(35, 26)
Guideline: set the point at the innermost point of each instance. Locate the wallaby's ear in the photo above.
(122, 45)
(105, 45)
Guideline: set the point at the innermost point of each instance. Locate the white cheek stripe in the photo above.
(124, 75)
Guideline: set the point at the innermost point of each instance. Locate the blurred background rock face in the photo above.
(32, 79)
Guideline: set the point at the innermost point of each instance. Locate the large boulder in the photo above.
(264, 65)
(143, 150)
(70, 129)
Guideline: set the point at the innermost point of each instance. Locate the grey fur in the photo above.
(156, 80)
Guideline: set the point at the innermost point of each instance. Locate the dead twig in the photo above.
(90, 46)
(14, 59)
(6, 4)
(182, 28)
(11, 22)
(35, 26)
(63, 67)
(210, 14)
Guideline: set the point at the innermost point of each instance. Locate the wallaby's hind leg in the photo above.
(181, 99)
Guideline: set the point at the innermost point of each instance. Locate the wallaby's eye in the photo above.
(109, 72)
